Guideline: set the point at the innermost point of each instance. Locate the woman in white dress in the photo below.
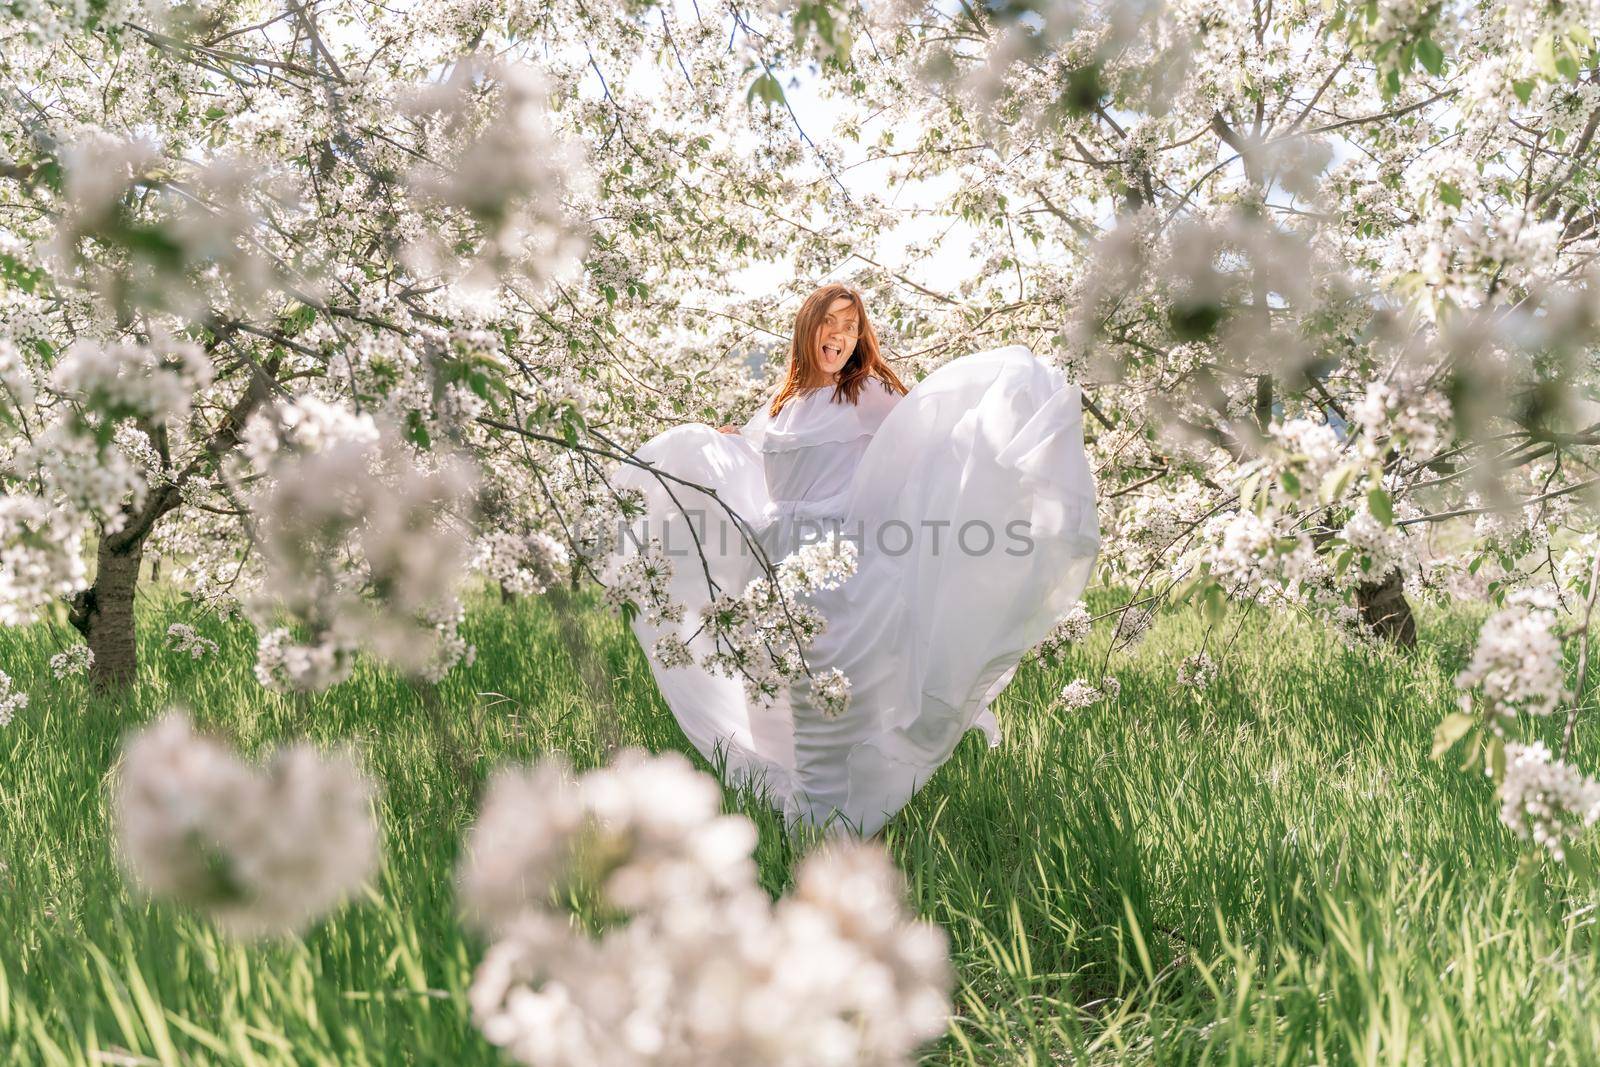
(973, 508)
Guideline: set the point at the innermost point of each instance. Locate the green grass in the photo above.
(1272, 874)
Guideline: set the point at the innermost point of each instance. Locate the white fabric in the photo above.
(932, 625)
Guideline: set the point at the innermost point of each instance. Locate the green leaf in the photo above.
(1449, 194)
(1523, 89)
(1581, 861)
(767, 89)
(1185, 589)
(1494, 759)
(417, 430)
(1431, 55)
(299, 320)
(1451, 729)
(1544, 54)
(153, 243)
(1382, 507)
(18, 273)
(1247, 491)
(1335, 482)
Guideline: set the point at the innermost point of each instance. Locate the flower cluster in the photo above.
(285, 665)
(525, 565)
(364, 542)
(830, 692)
(824, 564)
(264, 851)
(41, 557)
(759, 636)
(75, 661)
(193, 238)
(1069, 630)
(690, 961)
(1306, 452)
(11, 700)
(507, 172)
(1376, 547)
(185, 639)
(1197, 671)
(155, 382)
(1132, 625)
(1546, 800)
(1517, 664)
(1082, 693)
(644, 579)
(1403, 410)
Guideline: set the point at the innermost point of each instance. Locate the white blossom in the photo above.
(1070, 629)
(1197, 671)
(508, 173)
(525, 565)
(185, 639)
(1546, 800)
(12, 700)
(76, 660)
(362, 541)
(830, 692)
(285, 665)
(1082, 693)
(825, 564)
(41, 557)
(155, 381)
(1517, 664)
(698, 965)
(263, 850)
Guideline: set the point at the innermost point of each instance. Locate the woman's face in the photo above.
(836, 337)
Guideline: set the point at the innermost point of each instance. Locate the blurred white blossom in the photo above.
(264, 850)
(697, 965)
(364, 543)
(41, 557)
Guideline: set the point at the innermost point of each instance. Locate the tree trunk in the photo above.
(1384, 609)
(103, 613)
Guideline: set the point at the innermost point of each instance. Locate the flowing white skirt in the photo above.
(974, 511)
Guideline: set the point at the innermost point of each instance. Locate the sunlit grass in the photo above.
(1271, 873)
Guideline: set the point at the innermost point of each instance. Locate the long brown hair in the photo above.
(865, 362)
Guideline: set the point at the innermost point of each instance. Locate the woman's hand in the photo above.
(727, 429)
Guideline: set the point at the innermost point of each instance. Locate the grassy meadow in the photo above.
(1271, 873)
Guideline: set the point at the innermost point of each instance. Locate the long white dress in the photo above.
(973, 507)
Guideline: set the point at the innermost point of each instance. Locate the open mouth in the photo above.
(831, 350)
